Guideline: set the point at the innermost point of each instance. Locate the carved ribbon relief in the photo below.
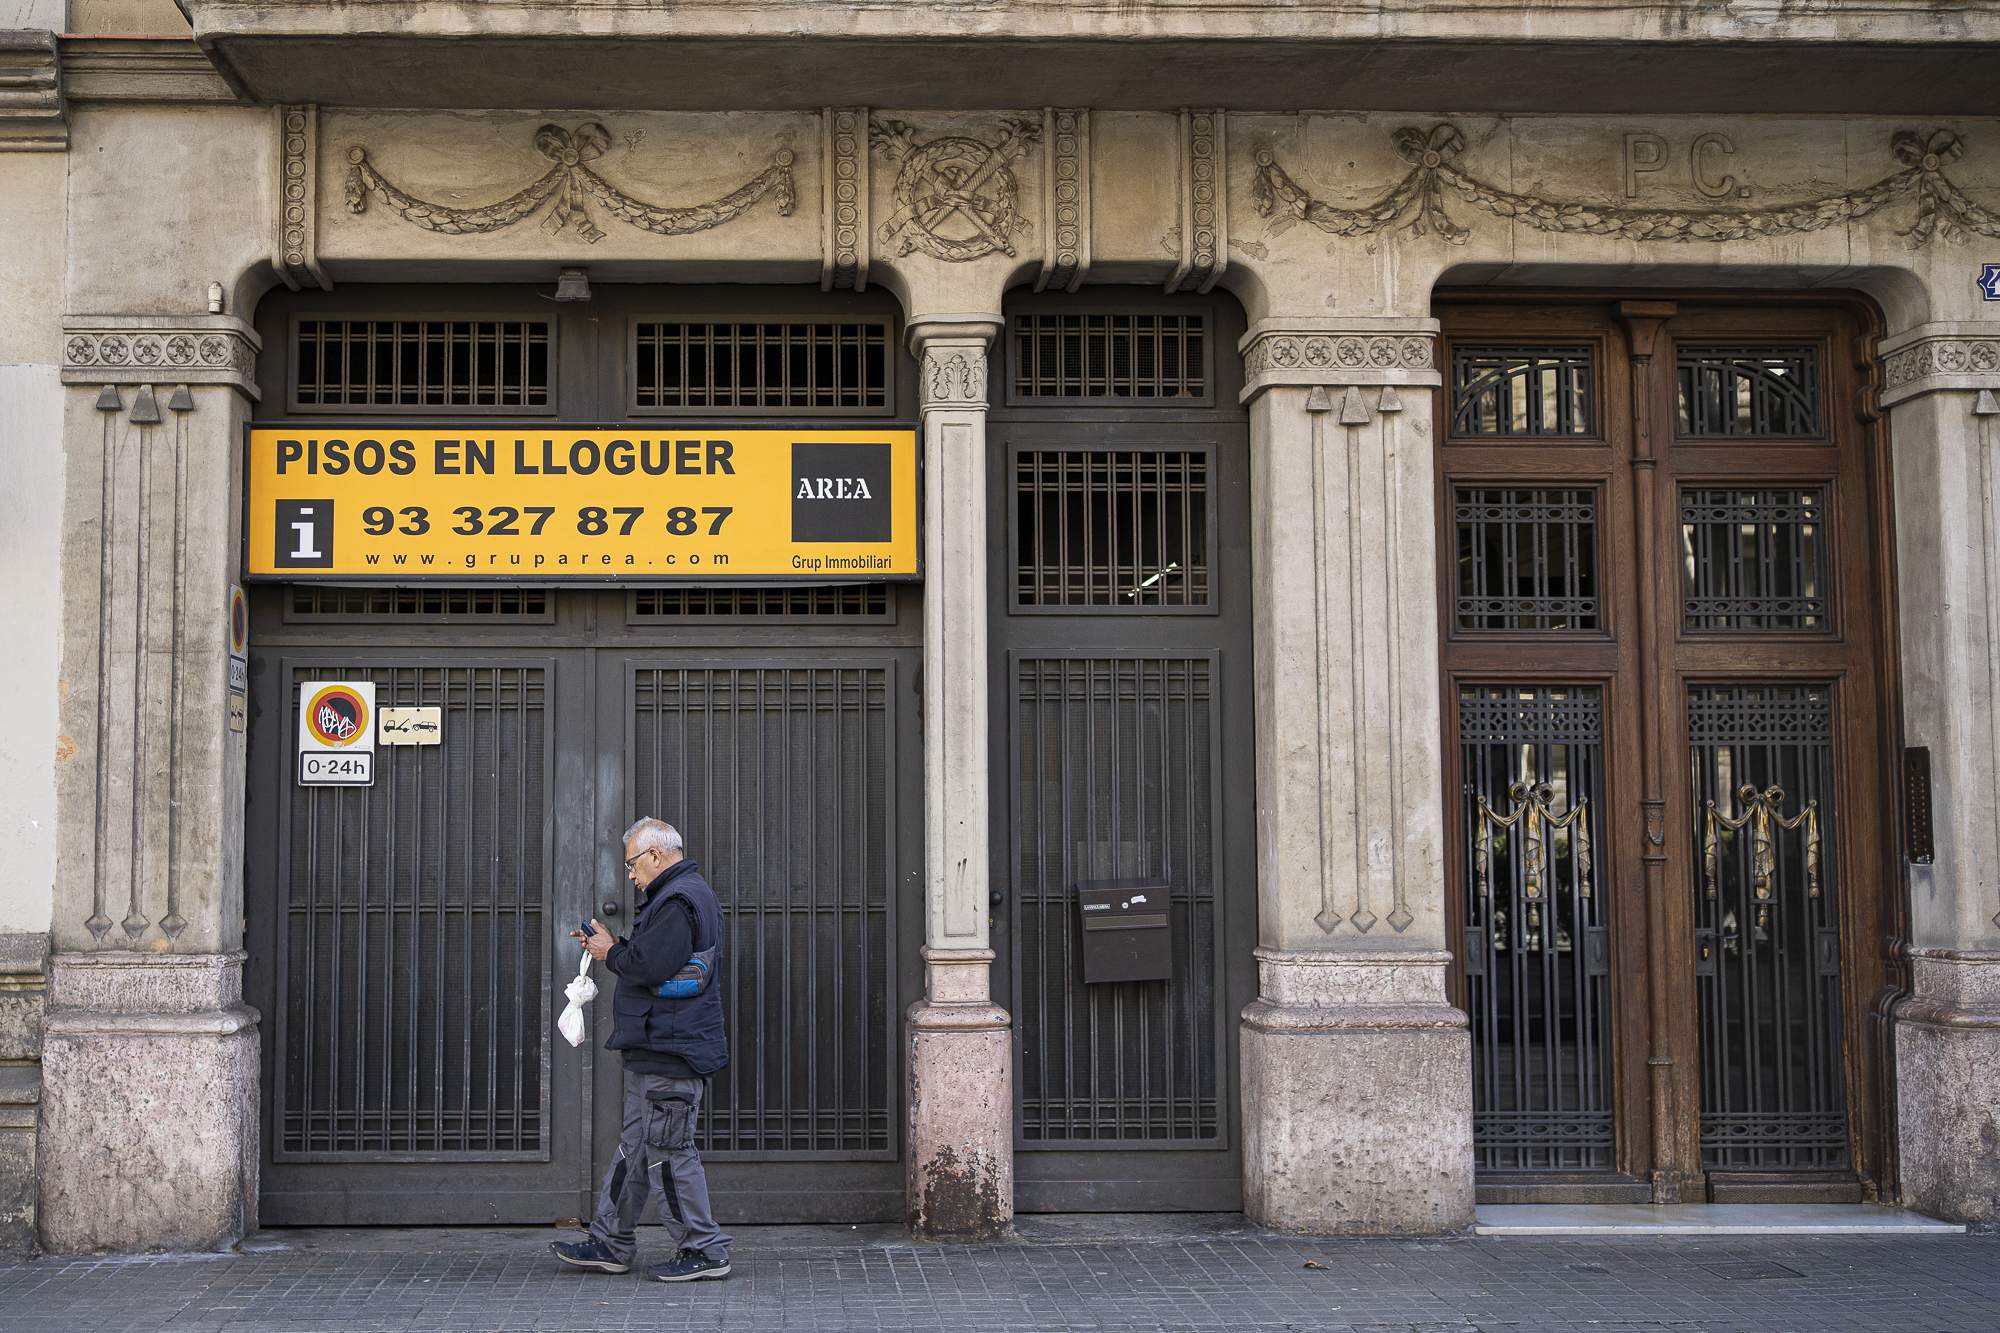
(1434, 169)
(571, 183)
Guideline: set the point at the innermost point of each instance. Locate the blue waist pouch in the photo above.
(691, 980)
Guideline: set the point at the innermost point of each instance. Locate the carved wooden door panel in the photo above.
(1664, 629)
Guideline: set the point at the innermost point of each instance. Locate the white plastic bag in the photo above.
(581, 991)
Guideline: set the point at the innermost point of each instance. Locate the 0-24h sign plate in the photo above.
(656, 502)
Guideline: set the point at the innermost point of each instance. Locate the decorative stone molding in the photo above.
(23, 985)
(158, 70)
(1954, 988)
(1324, 990)
(956, 198)
(1336, 352)
(1432, 155)
(844, 196)
(1204, 202)
(146, 350)
(1934, 357)
(33, 118)
(295, 255)
(952, 352)
(1065, 198)
(570, 183)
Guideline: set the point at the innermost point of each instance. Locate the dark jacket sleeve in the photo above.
(658, 949)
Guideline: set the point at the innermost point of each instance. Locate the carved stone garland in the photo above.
(1941, 205)
(570, 183)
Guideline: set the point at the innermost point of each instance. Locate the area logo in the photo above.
(337, 716)
(840, 492)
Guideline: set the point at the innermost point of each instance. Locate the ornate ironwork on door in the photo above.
(1767, 938)
(1537, 957)
(779, 777)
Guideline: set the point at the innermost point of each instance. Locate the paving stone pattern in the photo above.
(1097, 1273)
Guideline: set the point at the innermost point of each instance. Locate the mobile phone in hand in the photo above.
(583, 926)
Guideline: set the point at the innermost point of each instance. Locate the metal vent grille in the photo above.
(311, 603)
(767, 368)
(423, 365)
(851, 602)
(1138, 358)
(414, 1011)
(1103, 530)
(779, 776)
(1115, 775)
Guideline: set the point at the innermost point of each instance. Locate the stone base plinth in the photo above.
(1357, 1095)
(961, 1181)
(1948, 1085)
(149, 1104)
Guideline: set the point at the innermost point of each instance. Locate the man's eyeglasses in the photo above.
(631, 860)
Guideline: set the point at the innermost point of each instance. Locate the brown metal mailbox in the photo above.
(1126, 935)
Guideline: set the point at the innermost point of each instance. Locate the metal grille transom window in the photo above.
(1145, 358)
(1527, 559)
(860, 601)
(416, 365)
(1112, 529)
(1748, 390)
(758, 367)
(307, 602)
(1754, 560)
(1521, 390)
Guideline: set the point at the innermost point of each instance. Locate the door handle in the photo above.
(610, 907)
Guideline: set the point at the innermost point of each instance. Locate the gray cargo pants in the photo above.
(658, 1140)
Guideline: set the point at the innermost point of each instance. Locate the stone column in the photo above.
(150, 1087)
(961, 1151)
(1941, 387)
(1357, 1080)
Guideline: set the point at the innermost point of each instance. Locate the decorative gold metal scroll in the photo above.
(1531, 812)
(572, 184)
(1760, 814)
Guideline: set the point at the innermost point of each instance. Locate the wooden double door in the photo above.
(1665, 604)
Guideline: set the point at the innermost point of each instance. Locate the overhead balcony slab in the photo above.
(1932, 57)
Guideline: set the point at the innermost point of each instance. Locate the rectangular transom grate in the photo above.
(424, 365)
(779, 779)
(1115, 777)
(1111, 530)
(848, 602)
(1528, 390)
(771, 368)
(1141, 358)
(1527, 559)
(1748, 390)
(415, 1004)
(1755, 560)
(312, 603)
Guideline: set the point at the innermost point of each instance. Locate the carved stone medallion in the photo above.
(955, 198)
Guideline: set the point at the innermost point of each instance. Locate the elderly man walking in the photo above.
(667, 1024)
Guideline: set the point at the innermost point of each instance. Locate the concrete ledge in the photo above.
(1704, 1219)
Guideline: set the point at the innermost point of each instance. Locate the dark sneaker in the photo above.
(591, 1255)
(688, 1266)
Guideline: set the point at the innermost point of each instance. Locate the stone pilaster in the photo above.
(1357, 1095)
(961, 1082)
(150, 1058)
(1941, 386)
(24, 962)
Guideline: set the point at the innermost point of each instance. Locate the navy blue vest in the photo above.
(691, 1028)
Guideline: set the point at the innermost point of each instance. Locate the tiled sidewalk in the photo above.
(1062, 1273)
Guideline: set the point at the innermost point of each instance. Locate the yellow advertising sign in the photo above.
(476, 500)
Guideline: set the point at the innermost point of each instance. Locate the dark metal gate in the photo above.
(408, 940)
(1122, 730)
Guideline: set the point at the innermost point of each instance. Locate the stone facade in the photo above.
(236, 160)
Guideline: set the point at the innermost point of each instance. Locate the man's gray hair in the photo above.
(655, 835)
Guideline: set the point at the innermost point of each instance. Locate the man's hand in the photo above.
(598, 943)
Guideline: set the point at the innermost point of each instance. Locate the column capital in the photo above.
(1927, 358)
(161, 349)
(1301, 352)
(951, 351)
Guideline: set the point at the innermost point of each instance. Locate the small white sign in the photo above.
(411, 726)
(337, 722)
(239, 675)
(239, 710)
